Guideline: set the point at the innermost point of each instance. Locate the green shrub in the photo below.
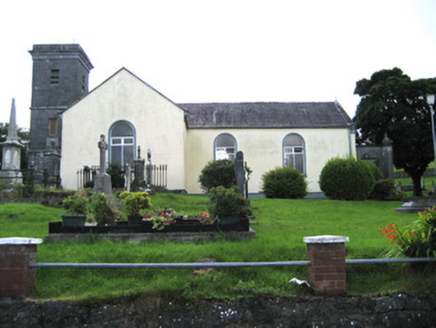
(117, 175)
(284, 182)
(103, 210)
(135, 201)
(346, 178)
(76, 204)
(418, 239)
(226, 202)
(375, 170)
(384, 190)
(218, 173)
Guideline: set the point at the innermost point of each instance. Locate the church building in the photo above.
(67, 121)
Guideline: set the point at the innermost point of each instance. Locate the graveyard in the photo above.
(271, 230)
(229, 218)
(275, 229)
(280, 228)
(103, 259)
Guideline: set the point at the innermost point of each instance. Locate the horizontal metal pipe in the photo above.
(221, 264)
(169, 265)
(394, 260)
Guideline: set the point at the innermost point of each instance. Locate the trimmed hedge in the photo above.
(347, 179)
(284, 182)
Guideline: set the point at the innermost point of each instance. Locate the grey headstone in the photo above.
(102, 145)
(240, 172)
(102, 181)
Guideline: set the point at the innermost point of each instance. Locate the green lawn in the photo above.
(280, 226)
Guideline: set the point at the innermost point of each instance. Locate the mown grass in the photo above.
(280, 226)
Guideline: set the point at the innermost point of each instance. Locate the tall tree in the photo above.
(392, 104)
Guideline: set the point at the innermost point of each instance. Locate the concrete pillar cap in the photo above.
(20, 241)
(326, 239)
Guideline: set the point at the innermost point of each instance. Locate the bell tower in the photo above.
(60, 78)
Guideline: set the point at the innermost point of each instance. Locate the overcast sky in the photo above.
(224, 51)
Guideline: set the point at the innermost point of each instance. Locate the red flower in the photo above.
(389, 232)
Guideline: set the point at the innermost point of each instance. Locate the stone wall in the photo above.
(382, 156)
(396, 310)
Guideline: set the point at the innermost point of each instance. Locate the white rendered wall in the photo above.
(263, 151)
(159, 126)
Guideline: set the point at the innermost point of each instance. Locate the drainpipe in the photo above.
(351, 134)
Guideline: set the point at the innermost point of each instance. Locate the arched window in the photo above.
(293, 152)
(122, 143)
(225, 147)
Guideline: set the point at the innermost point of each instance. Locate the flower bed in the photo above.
(229, 214)
(189, 230)
(191, 224)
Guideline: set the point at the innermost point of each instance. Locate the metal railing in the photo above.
(223, 264)
(85, 176)
(156, 175)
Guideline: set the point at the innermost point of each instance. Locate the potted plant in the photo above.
(227, 205)
(76, 207)
(135, 202)
(103, 210)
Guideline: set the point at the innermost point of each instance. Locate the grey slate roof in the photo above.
(266, 115)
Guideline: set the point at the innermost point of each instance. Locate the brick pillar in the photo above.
(327, 264)
(17, 278)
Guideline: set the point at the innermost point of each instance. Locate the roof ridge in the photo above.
(257, 102)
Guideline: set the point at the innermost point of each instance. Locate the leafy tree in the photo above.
(392, 104)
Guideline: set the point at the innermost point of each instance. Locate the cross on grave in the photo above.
(102, 181)
(102, 145)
